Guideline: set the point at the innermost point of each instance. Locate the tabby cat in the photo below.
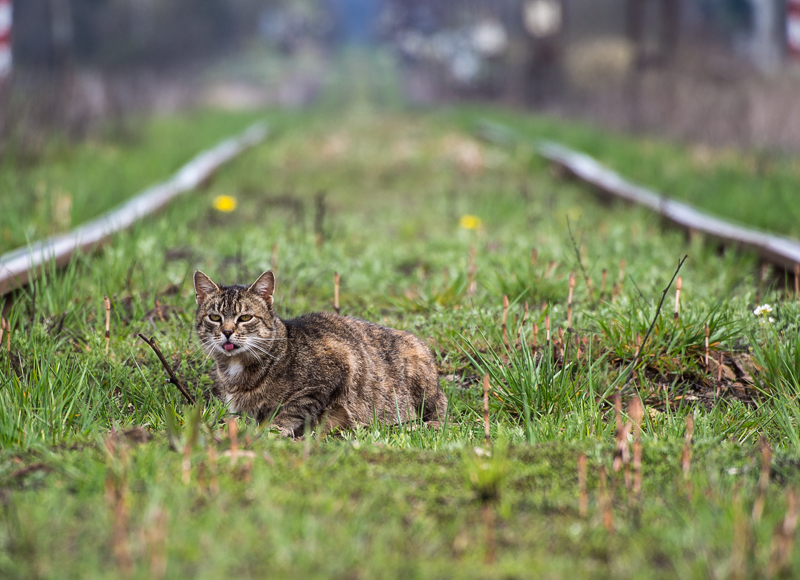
(318, 369)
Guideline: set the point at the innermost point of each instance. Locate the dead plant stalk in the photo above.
(486, 388)
(636, 413)
(763, 480)
(547, 327)
(505, 320)
(622, 452)
(783, 537)
(603, 281)
(583, 496)
(522, 324)
(108, 323)
(606, 501)
(686, 456)
(336, 292)
(569, 299)
(472, 272)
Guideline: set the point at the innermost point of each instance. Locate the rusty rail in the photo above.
(780, 250)
(20, 266)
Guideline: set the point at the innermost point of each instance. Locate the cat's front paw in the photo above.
(283, 431)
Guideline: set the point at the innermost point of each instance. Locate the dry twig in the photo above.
(172, 378)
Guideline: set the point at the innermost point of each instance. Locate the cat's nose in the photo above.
(227, 333)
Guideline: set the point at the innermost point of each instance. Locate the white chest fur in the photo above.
(234, 370)
(230, 376)
(231, 401)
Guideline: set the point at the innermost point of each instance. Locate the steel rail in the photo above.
(18, 267)
(779, 250)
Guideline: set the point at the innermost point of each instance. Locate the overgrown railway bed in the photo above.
(428, 229)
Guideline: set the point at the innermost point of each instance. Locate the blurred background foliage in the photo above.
(721, 72)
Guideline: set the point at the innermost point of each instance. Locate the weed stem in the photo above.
(172, 378)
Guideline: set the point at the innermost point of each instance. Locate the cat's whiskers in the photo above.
(250, 346)
(204, 345)
(207, 347)
(264, 343)
(248, 351)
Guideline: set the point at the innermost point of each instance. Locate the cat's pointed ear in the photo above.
(203, 286)
(264, 286)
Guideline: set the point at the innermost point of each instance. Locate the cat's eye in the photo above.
(245, 317)
(214, 317)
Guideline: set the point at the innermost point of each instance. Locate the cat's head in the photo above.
(235, 321)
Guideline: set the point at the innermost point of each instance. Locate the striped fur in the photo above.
(321, 369)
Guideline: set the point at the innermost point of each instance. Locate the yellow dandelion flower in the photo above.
(470, 222)
(224, 203)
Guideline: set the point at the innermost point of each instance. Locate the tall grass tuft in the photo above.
(778, 380)
(546, 395)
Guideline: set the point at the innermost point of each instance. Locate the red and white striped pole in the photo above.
(5, 39)
(793, 29)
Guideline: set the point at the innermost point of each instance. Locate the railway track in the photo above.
(18, 267)
(779, 250)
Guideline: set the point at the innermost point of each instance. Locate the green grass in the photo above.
(74, 183)
(387, 501)
(344, 509)
(754, 188)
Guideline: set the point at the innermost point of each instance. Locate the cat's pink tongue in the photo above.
(228, 346)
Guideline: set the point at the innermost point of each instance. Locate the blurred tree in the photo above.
(43, 33)
(130, 33)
